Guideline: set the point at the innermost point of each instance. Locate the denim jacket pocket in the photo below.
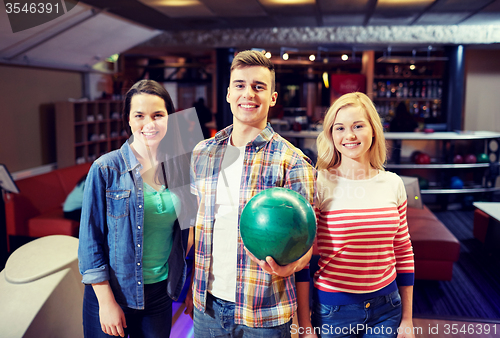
(117, 203)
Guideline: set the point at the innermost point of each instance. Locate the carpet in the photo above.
(474, 291)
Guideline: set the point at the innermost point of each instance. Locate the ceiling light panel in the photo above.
(459, 5)
(290, 7)
(85, 45)
(398, 12)
(13, 43)
(393, 19)
(482, 19)
(443, 18)
(341, 6)
(231, 8)
(487, 16)
(180, 8)
(294, 20)
(287, 2)
(403, 5)
(343, 20)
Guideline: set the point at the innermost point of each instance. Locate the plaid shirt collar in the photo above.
(264, 137)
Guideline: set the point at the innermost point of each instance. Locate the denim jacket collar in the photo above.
(129, 158)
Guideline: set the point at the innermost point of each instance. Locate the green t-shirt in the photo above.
(159, 216)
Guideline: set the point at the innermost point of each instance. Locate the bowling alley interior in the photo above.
(430, 67)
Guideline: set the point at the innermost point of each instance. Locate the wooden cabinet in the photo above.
(87, 130)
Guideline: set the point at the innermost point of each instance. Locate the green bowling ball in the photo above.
(483, 158)
(423, 183)
(280, 223)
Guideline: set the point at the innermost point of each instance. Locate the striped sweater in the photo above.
(363, 241)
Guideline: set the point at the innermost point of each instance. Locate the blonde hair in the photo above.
(250, 58)
(328, 155)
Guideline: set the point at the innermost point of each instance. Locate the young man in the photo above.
(234, 294)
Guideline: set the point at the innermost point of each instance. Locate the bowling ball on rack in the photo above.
(456, 183)
(470, 158)
(458, 159)
(413, 156)
(280, 223)
(467, 202)
(422, 158)
(483, 158)
(423, 183)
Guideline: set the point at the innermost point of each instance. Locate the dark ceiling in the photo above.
(176, 15)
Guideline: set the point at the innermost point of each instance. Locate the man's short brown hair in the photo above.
(250, 58)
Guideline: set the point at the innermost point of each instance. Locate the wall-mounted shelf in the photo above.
(419, 85)
(399, 99)
(87, 130)
(457, 191)
(437, 166)
(409, 78)
(477, 178)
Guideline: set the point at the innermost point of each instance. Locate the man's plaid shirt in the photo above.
(262, 300)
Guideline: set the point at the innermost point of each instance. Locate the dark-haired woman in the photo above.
(131, 251)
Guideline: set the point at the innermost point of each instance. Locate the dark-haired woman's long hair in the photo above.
(172, 156)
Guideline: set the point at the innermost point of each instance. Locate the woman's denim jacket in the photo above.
(111, 230)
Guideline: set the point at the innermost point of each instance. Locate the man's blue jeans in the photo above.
(218, 321)
(155, 321)
(377, 317)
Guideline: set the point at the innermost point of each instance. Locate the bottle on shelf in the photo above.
(399, 92)
(405, 89)
(417, 89)
(411, 89)
(424, 89)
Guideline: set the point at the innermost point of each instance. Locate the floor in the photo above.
(423, 328)
(434, 328)
(182, 324)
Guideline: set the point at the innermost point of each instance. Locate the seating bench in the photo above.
(37, 210)
(434, 246)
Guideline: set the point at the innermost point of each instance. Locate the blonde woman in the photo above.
(364, 284)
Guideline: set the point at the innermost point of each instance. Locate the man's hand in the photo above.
(271, 267)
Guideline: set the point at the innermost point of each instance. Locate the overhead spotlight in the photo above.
(412, 67)
(285, 56)
(312, 57)
(268, 55)
(344, 57)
